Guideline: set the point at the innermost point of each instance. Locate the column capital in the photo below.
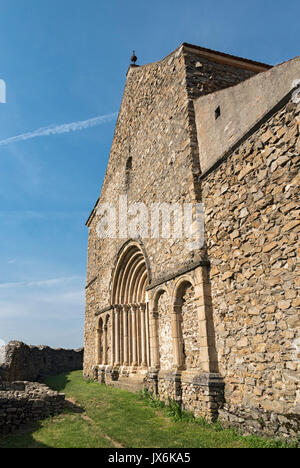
(142, 306)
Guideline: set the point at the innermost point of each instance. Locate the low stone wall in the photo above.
(19, 361)
(260, 422)
(24, 402)
(201, 394)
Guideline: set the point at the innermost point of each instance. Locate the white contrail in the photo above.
(40, 284)
(64, 128)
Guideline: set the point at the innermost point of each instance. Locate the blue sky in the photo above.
(65, 61)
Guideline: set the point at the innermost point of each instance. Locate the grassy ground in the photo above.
(97, 416)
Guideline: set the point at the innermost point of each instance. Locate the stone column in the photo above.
(130, 358)
(104, 360)
(147, 336)
(121, 336)
(117, 335)
(126, 308)
(177, 334)
(134, 334)
(112, 354)
(154, 347)
(142, 308)
(138, 334)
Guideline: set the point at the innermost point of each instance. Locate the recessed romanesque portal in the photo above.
(123, 331)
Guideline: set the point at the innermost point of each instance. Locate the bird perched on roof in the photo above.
(133, 58)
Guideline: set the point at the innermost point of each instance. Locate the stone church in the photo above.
(215, 327)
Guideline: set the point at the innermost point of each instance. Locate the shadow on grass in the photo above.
(57, 382)
(72, 407)
(23, 437)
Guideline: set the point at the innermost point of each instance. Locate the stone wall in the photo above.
(252, 232)
(154, 159)
(201, 394)
(240, 108)
(229, 307)
(165, 332)
(191, 377)
(22, 362)
(190, 330)
(25, 402)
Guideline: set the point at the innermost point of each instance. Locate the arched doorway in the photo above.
(130, 317)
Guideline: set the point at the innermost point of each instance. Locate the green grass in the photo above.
(105, 417)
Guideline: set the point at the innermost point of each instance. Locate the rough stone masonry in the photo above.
(22, 403)
(22, 399)
(19, 361)
(215, 328)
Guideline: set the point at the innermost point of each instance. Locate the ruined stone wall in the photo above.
(25, 402)
(252, 230)
(156, 129)
(32, 363)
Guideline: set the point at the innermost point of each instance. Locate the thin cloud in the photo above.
(40, 284)
(59, 129)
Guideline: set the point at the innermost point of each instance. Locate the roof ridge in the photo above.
(224, 54)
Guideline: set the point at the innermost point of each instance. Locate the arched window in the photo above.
(188, 327)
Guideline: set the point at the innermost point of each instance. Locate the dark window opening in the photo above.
(128, 171)
(217, 112)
